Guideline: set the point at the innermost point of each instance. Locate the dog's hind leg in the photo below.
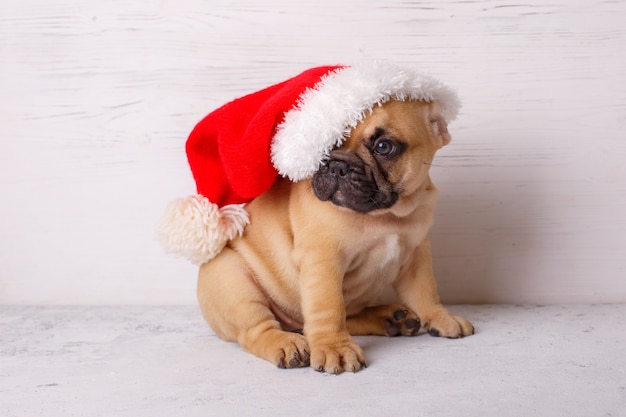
(384, 320)
(237, 310)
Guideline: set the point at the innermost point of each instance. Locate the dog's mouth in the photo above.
(347, 181)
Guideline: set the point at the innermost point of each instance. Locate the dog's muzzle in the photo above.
(347, 181)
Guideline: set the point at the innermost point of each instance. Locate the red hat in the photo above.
(237, 151)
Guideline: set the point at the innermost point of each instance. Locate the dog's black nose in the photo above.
(338, 168)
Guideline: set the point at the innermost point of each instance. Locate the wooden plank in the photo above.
(96, 100)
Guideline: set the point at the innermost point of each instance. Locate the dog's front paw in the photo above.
(335, 354)
(441, 323)
(283, 349)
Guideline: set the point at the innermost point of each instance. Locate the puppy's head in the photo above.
(384, 159)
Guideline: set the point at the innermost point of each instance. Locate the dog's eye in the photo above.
(384, 147)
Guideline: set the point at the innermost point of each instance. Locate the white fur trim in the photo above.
(328, 111)
(198, 230)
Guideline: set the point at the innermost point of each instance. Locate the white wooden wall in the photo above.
(97, 98)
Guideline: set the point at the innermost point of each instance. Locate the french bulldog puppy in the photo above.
(301, 280)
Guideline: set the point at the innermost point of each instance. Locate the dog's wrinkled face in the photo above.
(385, 158)
(357, 180)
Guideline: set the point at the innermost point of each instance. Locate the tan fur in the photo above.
(307, 264)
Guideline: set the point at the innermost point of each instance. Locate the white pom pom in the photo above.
(198, 230)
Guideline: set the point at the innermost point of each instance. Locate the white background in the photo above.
(97, 98)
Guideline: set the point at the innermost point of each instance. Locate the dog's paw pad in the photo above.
(402, 322)
(412, 324)
(400, 314)
(392, 329)
(434, 332)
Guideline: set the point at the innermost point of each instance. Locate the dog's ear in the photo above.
(438, 125)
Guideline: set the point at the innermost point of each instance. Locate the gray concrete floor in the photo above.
(165, 361)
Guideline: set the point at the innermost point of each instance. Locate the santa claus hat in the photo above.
(237, 151)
